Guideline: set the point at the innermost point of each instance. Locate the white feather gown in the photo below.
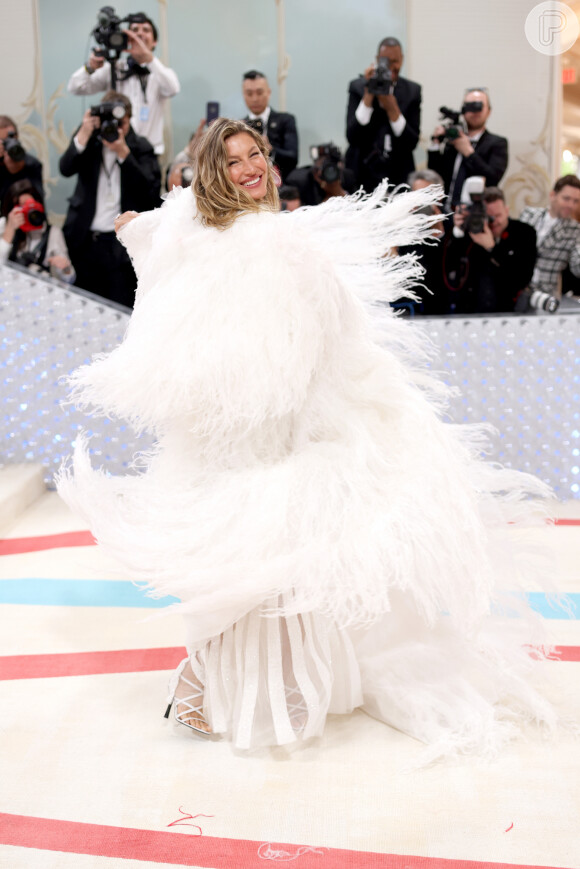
(332, 541)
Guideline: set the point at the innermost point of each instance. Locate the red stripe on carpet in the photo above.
(89, 663)
(567, 653)
(132, 661)
(16, 545)
(184, 849)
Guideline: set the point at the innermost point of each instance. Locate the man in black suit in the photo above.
(487, 272)
(279, 128)
(383, 130)
(114, 175)
(475, 152)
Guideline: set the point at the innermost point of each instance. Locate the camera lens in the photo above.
(35, 218)
(117, 41)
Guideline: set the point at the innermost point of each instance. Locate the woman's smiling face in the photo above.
(247, 165)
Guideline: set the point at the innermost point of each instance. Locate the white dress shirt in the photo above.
(108, 190)
(148, 101)
(364, 114)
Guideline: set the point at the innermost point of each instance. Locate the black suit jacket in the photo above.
(283, 137)
(140, 183)
(495, 279)
(489, 159)
(365, 155)
(31, 171)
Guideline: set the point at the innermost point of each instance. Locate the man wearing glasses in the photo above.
(475, 152)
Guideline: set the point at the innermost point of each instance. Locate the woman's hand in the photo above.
(123, 219)
(58, 261)
(14, 221)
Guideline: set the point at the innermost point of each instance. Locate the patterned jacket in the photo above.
(560, 248)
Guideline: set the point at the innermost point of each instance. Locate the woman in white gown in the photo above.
(332, 541)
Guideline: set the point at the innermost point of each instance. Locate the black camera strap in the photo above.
(110, 196)
(36, 254)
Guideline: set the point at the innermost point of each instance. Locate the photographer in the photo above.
(325, 178)
(117, 171)
(141, 77)
(383, 119)
(488, 260)
(27, 238)
(558, 238)
(289, 198)
(457, 153)
(15, 163)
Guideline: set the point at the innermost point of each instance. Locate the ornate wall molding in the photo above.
(283, 58)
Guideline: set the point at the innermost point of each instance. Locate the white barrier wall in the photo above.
(522, 374)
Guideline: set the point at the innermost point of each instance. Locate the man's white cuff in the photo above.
(363, 113)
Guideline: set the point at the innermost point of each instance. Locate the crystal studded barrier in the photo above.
(521, 374)
(46, 331)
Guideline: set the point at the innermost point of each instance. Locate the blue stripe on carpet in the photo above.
(120, 593)
(78, 592)
(549, 609)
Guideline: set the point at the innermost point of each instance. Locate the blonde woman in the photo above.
(332, 542)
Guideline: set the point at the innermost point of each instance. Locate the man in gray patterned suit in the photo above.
(557, 234)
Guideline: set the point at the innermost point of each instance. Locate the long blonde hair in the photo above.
(219, 201)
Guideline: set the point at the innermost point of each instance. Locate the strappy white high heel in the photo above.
(297, 708)
(188, 708)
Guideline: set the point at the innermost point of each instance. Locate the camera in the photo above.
(13, 148)
(33, 212)
(111, 114)
(108, 32)
(256, 124)
(454, 123)
(331, 158)
(536, 300)
(473, 206)
(542, 301)
(382, 79)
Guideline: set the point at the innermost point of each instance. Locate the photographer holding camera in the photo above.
(15, 163)
(383, 119)
(488, 260)
(26, 237)
(141, 77)
(325, 178)
(460, 150)
(117, 171)
(558, 241)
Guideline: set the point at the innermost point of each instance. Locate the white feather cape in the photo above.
(296, 456)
